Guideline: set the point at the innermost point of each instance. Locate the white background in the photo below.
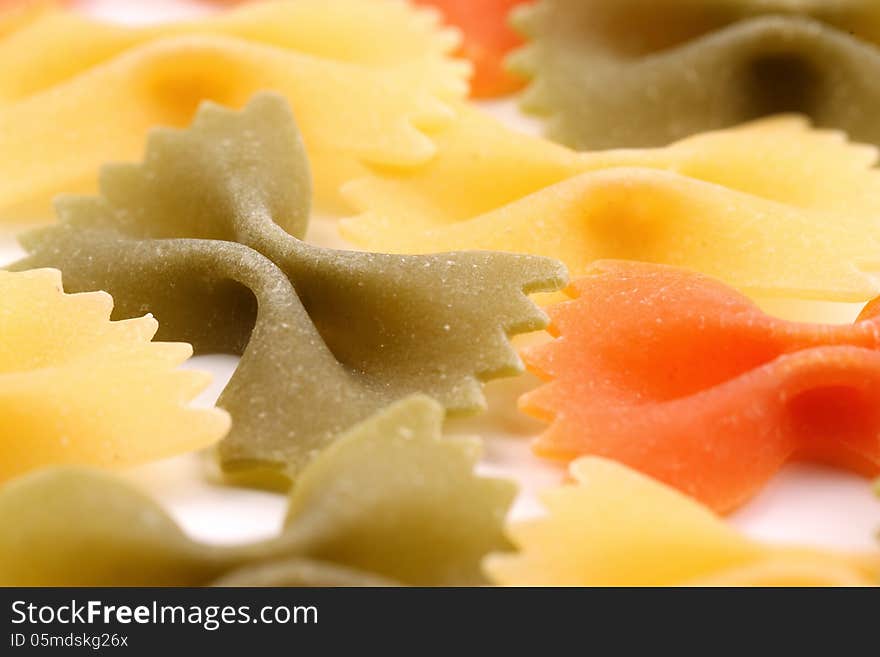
(804, 504)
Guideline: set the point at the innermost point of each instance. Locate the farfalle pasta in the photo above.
(719, 203)
(680, 377)
(488, 38)
(56, 45)
(635, 73)
(76, 388)
(205, 234)
(391, 502)
(615, 527)
(352, 104)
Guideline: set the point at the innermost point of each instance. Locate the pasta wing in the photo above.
(488, 38)
(615, 527)
(349, 112)
(684, 379)
(392, 500)
(720, 203)
(394, 497)
(79, 527)
(57, 45)
(76, 388)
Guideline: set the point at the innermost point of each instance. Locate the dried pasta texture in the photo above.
(205, 235)
(635, 73)
(682, 378)
(615, 527)
(367, 81)
(719, 203)
(391, 502)
(76, 388)
(57, 45)
(488, 38)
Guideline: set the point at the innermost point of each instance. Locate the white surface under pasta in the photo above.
(803, 504)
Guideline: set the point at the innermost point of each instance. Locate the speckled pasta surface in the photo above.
(76, 388)
(717, 202)
(74, 94)
(205, 235)
(391, 502)
(634, 73)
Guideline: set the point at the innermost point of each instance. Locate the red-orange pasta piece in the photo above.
(685, 379)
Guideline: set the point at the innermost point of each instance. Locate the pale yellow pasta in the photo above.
(366, 87)
(76, 388)
(774, 208)
(615, 527)
(57, 44)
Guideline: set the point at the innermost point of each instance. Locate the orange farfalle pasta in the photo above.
(686, 380)
(488, 38)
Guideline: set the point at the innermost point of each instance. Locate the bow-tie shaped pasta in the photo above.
(56, 45)
(488, 37)
(633, 73)
(391, 501)
(680, 377)
(76, 388)
(615, 527)
(774, 208)
(205, 234)
(357, 97)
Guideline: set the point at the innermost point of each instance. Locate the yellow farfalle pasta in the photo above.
(616, 527)
(54, 45)
(357, 97)
(76, 388)
(774, 208)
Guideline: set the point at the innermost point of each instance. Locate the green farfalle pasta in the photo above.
(205, 234)
(637, 73)
(369, 81)
(392, 501)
